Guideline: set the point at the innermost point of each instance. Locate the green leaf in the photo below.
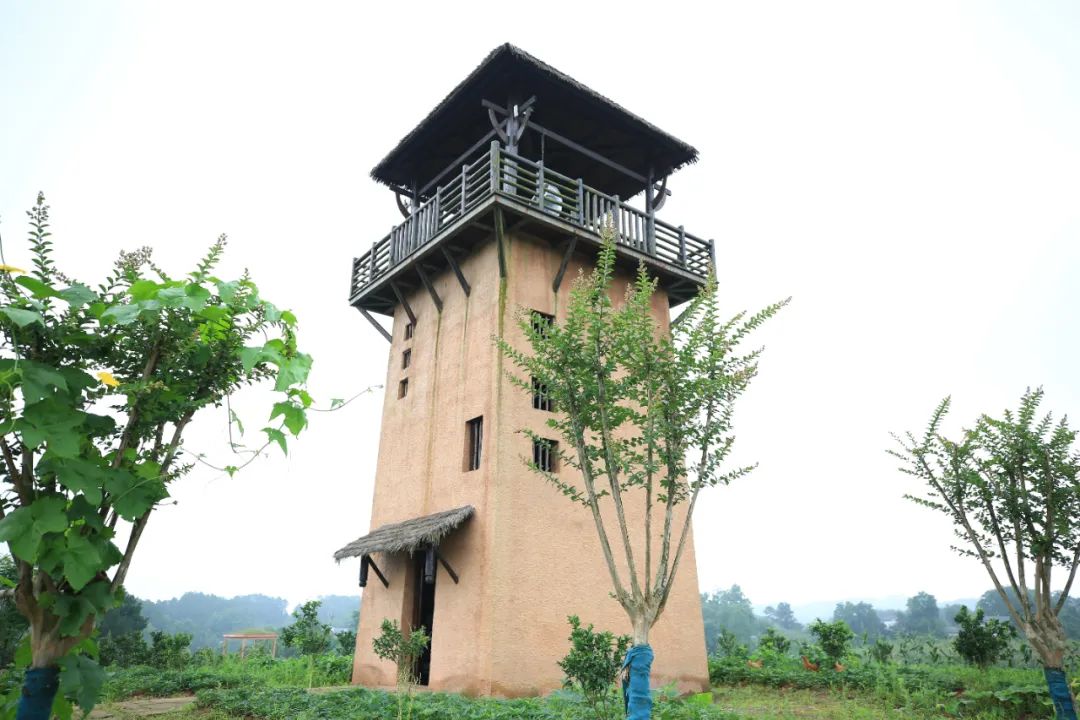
(37, 288)
(143, 290)
(53, 422)
(196, 297)
(81, 678)
(277, 436)
(24, 528)
(82, 561)
(80, 475)
(294, 417)
(37, 378)
(22, 317)
(120, 314)
(131, 496)
(336, 403)
(292, 371)
(77, 295)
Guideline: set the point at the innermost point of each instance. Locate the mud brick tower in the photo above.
(504, 188)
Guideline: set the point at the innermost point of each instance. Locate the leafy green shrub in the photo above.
(127, 650)
(403, 650)
(346, 640)
(728, 645)
(307, 634)
(169, 652)
(593, 664)
(881, 651)
(834, 638)
(981, 643)
(774, 642)
(295, 704)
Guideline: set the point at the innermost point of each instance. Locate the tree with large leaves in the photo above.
(97, 387)
(641, 412)
(1011, 487)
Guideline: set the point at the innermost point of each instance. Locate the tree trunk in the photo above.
(637, 667)
(47, 646)
(1047, 637)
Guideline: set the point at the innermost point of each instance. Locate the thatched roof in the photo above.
(563, 105)
(407, 535)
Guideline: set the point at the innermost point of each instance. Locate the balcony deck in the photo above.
(552, 205)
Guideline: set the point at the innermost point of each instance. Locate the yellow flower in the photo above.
(108, 379)
(11, 269)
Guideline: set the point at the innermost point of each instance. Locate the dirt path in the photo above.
(143, 707)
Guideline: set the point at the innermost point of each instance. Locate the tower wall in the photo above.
(528, 557)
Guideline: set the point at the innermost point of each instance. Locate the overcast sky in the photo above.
(909, 172)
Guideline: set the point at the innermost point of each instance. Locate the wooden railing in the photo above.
(532, 184)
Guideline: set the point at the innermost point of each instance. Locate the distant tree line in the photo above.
(731, 610)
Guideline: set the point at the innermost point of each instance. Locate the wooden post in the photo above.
(243, 647)
(464, 185)
(273, 649)
(581, 202)
(438, 209)
(494, 162)
(682, 245)
(540, 202)
(650, 210)
(617, 210)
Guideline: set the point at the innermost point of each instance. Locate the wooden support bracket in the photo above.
(378, 326)
(457, 271)
(570, 244)
(446, 566)
(365, 563)
(430, 288)
(404, 303)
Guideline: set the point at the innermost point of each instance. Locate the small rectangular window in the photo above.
(474, 443)
(403, 388)
(406, 359)
(545, 455)
(541, 322)
(541, 400)
(409, 328)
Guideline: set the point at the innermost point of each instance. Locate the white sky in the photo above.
(909, 172)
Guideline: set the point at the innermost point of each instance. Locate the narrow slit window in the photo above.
(409, 328)
(541, 322)
(403, 388)
(474, 443)
(541, 400)
(545, 455)
(406, 359)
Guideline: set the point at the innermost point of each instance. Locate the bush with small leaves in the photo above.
(834, 638)
(593, 664)
(981, 642)
(774, 642)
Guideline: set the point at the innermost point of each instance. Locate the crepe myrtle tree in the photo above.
(1011, 486)
(97, 387)
(642, 416)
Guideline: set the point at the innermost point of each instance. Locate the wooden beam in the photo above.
(500, 238)
(377, 324)
(449, 570)
(430, 288)
(457, 271)
(570, 245)
(592, 154)
(365, 563)
(680, 318)
(404, 303)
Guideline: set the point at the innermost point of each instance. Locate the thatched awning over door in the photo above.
(408, 535)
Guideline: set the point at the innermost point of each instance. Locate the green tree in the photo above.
(783, 617)
(97, 387)
(643, 413)
(833, 638)
(12, 624)
(124, 619)
(1011, 487)
(307, 634)
(861, 617)
(981, 642)
(729, 610)
(922, 617)
(593, 664)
